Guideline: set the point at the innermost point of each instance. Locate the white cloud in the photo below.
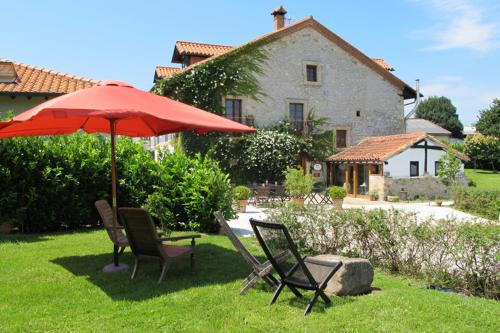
(462, 24)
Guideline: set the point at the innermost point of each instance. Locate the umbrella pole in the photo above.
(112, 124)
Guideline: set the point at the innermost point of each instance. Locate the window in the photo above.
(312, 73)
(375, 169)
(297, 116)
(358, 113)
(414, 169)
(437, 165)
(233, 109)
(341, 138)
(7, 72)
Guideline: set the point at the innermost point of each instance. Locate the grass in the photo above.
(54, 283)
(484, 179)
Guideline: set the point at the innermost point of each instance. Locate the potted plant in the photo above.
(298, 184)
(373, 195)
(438, 201)
(241, 193)
(337, 194)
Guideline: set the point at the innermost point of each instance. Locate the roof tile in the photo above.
(37, 80)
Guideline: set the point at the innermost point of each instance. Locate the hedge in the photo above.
(51, 183)
(485, 203)
(446, 252)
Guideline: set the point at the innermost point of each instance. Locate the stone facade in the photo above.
(426, 187)
(345, 87)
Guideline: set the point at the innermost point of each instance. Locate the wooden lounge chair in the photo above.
(106, 214)
(297, 272)
(145, 243)
(259, 270)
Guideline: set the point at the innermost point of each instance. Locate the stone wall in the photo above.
(426, 187)
(345, 86)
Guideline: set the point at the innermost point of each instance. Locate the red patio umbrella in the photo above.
(116, 108)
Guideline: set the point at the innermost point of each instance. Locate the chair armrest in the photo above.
(176, 238)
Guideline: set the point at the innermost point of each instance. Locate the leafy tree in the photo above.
(489, 120)
(442, 112)
(260, 156)
(483, 150)
(449, 166)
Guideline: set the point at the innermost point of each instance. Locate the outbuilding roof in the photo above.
(376, 149)
(31, 80)
(424, 125)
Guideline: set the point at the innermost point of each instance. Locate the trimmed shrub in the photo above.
(485, 203)
(337, 192)
(446, 252)
(297, 183)
(241, 192)
(192, 189)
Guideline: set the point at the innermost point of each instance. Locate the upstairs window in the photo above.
(7, 72)
(297, 116)
(312, 73)
(233, 109)
(414, 169)
(341, 138)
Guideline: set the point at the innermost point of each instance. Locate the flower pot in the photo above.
(242, 206)
(373, 198)
(439, 203)
(337, 203)
(5, 228)
(298, 201)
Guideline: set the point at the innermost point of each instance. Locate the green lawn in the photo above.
(484, 179)
(54, 283)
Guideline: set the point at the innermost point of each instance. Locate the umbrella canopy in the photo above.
(137, 114)
(116, 108)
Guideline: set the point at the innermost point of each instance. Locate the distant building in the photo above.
(404, 165)
(423, 125)
(25, 86)
(469, 130)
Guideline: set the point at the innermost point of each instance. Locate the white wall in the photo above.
(399, 165)
(18, 104)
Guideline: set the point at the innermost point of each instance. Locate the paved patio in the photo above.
(424, 210)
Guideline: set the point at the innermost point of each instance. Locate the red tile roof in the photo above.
(381, 62)
(381, 148)
(201, 49)
(42, 81)
(165, 71)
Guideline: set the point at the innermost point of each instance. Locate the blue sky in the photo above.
(452, 46)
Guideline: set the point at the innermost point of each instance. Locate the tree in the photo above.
(442, 112)
(483, 150)
(489, 120)
(449, 166)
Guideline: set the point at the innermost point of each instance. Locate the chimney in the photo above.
(279, 17)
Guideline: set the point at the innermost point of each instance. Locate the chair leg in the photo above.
(325, 298)
(165, 266)
(192, 263)
(134, 271)
(121, 250)
(249, 284)
(295, 291)
(311, 303)
(276, 293)
(271, 281)
(249, 277)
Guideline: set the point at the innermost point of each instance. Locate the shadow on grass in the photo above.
(214, 265)
(319, 306)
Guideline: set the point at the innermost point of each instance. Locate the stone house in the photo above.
(25, 86)
(423, 125)
(310, 68)
(404, 165)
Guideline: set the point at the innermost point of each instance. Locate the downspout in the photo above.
(416, 102)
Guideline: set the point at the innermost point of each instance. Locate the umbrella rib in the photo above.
(149, 126)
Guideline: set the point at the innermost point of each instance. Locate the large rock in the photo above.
(353, 278)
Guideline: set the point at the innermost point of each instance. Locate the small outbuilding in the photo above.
(404, 165)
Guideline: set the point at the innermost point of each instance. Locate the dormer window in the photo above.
(312, 73)
(7, 72)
